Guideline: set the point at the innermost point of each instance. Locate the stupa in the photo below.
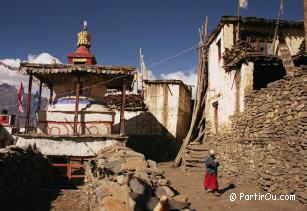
(77, 121)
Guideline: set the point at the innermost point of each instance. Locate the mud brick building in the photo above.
(255, 105)
(237, 67)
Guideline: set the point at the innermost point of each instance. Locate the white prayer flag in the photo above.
(143, 66)
(243, 4)
(282, 6)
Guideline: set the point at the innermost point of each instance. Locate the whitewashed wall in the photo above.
(169, 112)
(226, 88)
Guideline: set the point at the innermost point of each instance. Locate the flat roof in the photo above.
(253, 21)
(168, 82)
(47, 73)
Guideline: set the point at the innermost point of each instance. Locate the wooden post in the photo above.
(122, 110)
(206, 29)
(238, 26)
(77, 107)
(40, 94)
(50, 94)
(28, 109)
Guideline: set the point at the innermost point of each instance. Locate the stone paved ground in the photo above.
(190, 184)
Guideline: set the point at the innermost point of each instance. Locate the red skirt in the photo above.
(210, 182)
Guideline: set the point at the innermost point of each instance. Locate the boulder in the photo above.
(159, 191)
(110, 204)
(168, 191)
(132, 164)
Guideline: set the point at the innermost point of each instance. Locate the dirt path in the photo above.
(69, 200)
(190, 184)
(52, 199)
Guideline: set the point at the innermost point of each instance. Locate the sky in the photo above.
(40, 30)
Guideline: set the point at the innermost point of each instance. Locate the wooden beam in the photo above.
(28, 108)
(77, 107)
(122, 110)
(40, 94)
(50, 95)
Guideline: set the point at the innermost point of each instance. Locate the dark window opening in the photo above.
(79, 62)
(215, 117)
(264, 74)
(219, 49)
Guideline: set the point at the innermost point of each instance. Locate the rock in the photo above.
(132, 164)
(131, 153)
(144, 176)
(159, 191)
(302, 195)
(110, 204)
(271, 161)
(152, 164)
(163, 182)
(152, 203)
(156, 172)
(121, 193)
(138, 186)
(180, 198)
(102, 192)
(115, 166)
(176, 205)
(122, 179)
(168, 191)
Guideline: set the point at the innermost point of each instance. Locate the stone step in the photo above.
(194, 169)
(198, 165)
(191, 160)
(195, 156)
(197, 147)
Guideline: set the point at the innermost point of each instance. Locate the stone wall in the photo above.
(267, 143)
(22, 170)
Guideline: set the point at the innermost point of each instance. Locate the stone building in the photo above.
(255, 113)
(170, 102)
(164, 110)
(237, 67)
(157, 122)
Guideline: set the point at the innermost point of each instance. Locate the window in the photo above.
(219, 48)
(216, 112)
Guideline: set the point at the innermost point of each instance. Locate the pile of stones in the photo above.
(122, 179)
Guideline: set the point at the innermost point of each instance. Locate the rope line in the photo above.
(194, 47)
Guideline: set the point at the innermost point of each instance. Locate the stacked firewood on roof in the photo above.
(133, 101)
(233, 57)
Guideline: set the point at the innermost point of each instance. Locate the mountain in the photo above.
(9, 102)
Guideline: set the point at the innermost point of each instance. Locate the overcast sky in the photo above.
(119, 28)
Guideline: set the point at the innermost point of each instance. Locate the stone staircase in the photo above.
(286, 57)
(194, 157)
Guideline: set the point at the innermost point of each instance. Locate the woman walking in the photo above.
(210, 182)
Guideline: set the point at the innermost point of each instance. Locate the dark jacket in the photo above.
(211, 166)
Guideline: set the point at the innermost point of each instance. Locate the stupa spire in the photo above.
(83, 55)
(84, 37)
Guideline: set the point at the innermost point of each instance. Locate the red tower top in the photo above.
(82, 55)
